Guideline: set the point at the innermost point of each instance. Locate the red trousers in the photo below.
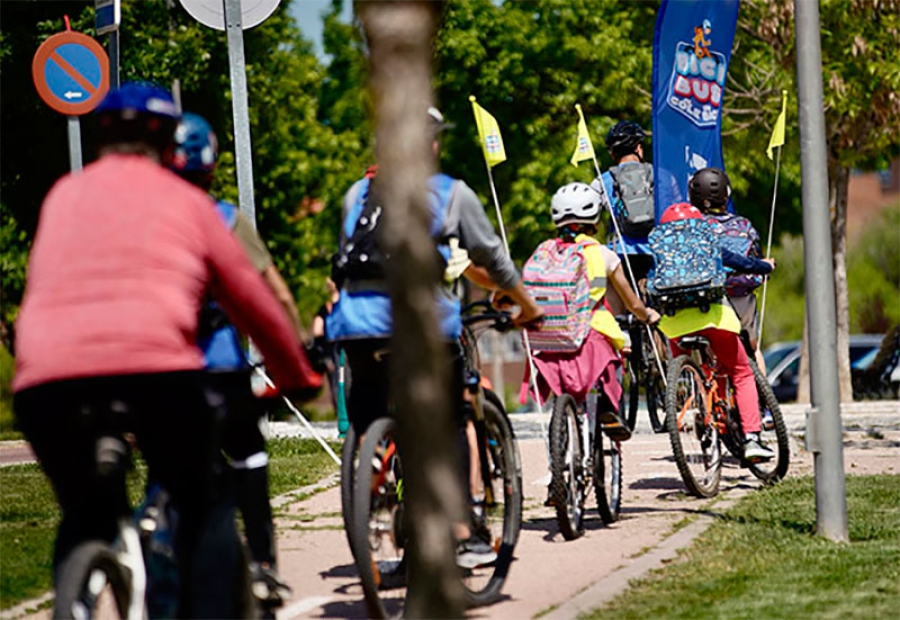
(732, 359)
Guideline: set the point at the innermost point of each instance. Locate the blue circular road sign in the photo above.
(71, 73)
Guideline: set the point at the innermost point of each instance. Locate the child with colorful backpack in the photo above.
(688, 283)
(709, 190)
(577, 345)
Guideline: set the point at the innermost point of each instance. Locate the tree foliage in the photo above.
(527, 62)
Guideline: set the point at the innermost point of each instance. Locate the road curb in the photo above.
(612, 585)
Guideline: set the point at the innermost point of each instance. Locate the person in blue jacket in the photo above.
(361, 320)
(194, 159)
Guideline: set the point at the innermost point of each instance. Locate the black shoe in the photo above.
(268, 586)
(613, 426)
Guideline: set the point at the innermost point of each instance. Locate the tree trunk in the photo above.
(839, 179)
(399, 37)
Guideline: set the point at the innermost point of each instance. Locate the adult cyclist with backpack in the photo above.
(628, 185)
(361, 320)
(195, 156)
(124, 255)
(688, 283)
(709, 190)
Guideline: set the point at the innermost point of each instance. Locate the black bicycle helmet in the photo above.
(709, 189)
(137, 112)
(624, 138)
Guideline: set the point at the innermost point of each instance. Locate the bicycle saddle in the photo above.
(693, 342)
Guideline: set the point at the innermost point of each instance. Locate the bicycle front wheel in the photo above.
(92, 584)
(694, 438)
(498, 519)
(378, 536)
(773, 434)
(567, 476)
(349, 453)
(608, 477)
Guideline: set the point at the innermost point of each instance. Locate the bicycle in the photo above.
(701, 416)
(135, 575)
(378, 536)
(579, 458)
(96, 574)
(646, 369)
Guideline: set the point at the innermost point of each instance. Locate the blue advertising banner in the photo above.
(691, 50)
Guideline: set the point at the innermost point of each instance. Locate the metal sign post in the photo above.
(107, 17)
(75, 160)
(237, 64)
(234, 16)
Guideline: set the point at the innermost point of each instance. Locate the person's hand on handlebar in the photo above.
(652, 317)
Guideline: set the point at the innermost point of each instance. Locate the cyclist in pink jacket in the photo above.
(124, 255)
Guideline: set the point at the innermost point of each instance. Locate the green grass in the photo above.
(7, 422)
(29, 514)
(763, 560)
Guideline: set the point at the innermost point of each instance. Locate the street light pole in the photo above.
(823, 424)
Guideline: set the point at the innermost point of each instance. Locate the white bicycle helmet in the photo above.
(575, 203)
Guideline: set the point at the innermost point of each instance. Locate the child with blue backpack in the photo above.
(688, 281)
(709, 190)
(591, 355)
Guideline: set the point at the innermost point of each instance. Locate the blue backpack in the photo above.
(739, 236)
(688, 270)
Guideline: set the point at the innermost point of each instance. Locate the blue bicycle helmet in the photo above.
(137, 112)
(624, 137)
(196, 147)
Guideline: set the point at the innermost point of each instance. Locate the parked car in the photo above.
(784, 375)
(876, 375)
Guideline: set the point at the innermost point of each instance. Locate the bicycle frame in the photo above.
(719, 406)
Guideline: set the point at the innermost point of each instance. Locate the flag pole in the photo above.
(612, 218)
(777, 140)
(531, 367)
(762, 310)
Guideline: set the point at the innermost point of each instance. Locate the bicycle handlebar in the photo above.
(502, 320)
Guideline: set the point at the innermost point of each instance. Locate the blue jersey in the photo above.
(222, 348)
(364, 309)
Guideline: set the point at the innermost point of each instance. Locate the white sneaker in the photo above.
(755, 451)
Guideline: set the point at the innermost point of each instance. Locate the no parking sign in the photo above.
(71, 73)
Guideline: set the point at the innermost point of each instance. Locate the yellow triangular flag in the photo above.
(489, 135)
(777, 138)
(584, 149)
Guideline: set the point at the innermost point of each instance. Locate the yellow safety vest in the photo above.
(602, 320)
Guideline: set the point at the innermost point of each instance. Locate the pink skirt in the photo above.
(595, 363)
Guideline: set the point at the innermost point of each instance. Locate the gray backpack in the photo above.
(633, 185)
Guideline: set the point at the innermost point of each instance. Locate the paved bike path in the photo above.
(552, 576)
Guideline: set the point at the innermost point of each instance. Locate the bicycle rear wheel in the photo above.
(631, 386)
(568, 489)
(379, 539)
(499, 520)
(92, 584)
(654, 381)
(773, 434)
(694, 438)
(608, 477)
